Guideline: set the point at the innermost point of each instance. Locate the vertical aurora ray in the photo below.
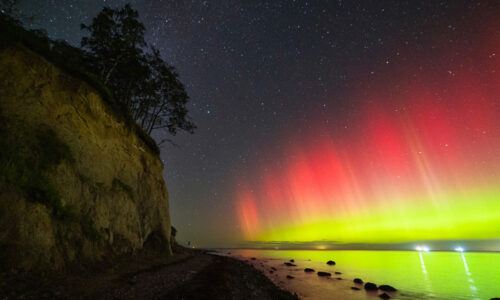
(421, 163)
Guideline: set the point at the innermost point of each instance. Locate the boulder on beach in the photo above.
(324, 274)
(358, 280)
(308, 270)
(339, 278)
(290, 277)
(495, 298)
(253, 258)
(290, 264)
(355, 288)
(273, 268)
(330, 262)
(370, 286)
(384, 296)
(338, 272)
(387, 288)
(292, 260)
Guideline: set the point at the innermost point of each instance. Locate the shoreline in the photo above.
(308, 280)
(317, 275)
(201, 274)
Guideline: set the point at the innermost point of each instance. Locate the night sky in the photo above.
(278, 89)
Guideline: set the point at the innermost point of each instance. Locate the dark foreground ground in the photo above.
(187, 275)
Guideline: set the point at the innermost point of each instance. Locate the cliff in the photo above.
(77, 182)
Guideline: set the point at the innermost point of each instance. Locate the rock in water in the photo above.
(323, 274)
(388, 288)
(290, 277)
(308, 270)
(291, 260)
(330, 262)
(338, 272)
(355, 288)
(384, 296)
(369, 286)
(358, 280)
(290, 264)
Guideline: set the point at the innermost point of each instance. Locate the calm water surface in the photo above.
(427, 275)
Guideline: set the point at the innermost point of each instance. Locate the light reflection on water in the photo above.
(441, 275)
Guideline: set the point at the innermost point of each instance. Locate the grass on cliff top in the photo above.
(72, 61)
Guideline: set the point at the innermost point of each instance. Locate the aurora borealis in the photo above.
(363, 121)
(425, 165)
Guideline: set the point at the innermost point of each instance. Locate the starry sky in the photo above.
(276, 83)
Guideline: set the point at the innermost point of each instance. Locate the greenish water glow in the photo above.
(442, 275)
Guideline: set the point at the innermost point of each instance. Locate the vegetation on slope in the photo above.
(26, 155)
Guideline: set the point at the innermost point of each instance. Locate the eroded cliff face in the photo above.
(76, 183)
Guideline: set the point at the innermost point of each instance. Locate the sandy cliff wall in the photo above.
(76, 183)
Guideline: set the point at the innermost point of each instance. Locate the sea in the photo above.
(416, 275)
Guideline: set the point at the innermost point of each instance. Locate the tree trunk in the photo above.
(108, 75)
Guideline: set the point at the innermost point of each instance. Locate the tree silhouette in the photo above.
(135, 73)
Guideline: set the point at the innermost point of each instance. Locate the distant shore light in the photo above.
(422, 248)
(459, 249)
